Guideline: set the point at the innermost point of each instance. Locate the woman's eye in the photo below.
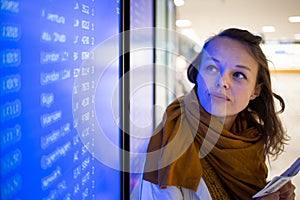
(211, 68)
(239, 75)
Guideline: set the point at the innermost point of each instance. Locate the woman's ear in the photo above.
(256, 91)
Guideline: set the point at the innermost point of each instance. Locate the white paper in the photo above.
(277, 182)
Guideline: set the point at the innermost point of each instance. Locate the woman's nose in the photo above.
(223, 80)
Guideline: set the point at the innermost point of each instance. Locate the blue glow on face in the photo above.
(227, 77)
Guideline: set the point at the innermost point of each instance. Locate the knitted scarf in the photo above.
(187, 131)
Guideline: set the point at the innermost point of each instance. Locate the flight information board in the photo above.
(42, 47)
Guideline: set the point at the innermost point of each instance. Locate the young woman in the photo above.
(213, 142)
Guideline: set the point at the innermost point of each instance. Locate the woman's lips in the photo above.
(218, 96)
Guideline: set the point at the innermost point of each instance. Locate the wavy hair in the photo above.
(262, 107)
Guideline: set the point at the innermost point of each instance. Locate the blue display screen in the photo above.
(45, 52)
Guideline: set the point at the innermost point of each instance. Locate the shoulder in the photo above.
(151, 191)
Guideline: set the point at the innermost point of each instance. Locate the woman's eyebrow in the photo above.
(214, 59)
(209, 58)
(238, 66)
(243, 67)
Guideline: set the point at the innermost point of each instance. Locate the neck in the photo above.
(227, 121)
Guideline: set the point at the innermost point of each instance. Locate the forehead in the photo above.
(225, 44)
(229, 50)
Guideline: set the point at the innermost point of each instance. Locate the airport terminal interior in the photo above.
(84, 84)
(282, 48)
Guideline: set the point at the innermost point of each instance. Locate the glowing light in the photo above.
(179, 2)
(297, 36)
(268, 29)
(183, 23)
(294, 19)
(191, 34)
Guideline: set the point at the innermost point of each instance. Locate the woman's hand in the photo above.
(285, 192)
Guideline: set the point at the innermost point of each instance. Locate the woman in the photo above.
(213, 142)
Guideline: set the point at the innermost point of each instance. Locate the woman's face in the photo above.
(227, 78)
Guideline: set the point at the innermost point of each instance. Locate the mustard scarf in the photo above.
(187, 130)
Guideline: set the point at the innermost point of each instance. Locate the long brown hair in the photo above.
(263, 107)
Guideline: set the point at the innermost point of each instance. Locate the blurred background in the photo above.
(278, 22)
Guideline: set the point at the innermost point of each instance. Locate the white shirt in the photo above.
(151, 191)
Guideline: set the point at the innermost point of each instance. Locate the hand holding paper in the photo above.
(277, 182)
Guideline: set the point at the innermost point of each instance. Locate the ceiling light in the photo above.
(297, 36)
(179, 2)
(181, 63)
(294, 19)
(183, 23)
(268, 29)
(191, 34)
